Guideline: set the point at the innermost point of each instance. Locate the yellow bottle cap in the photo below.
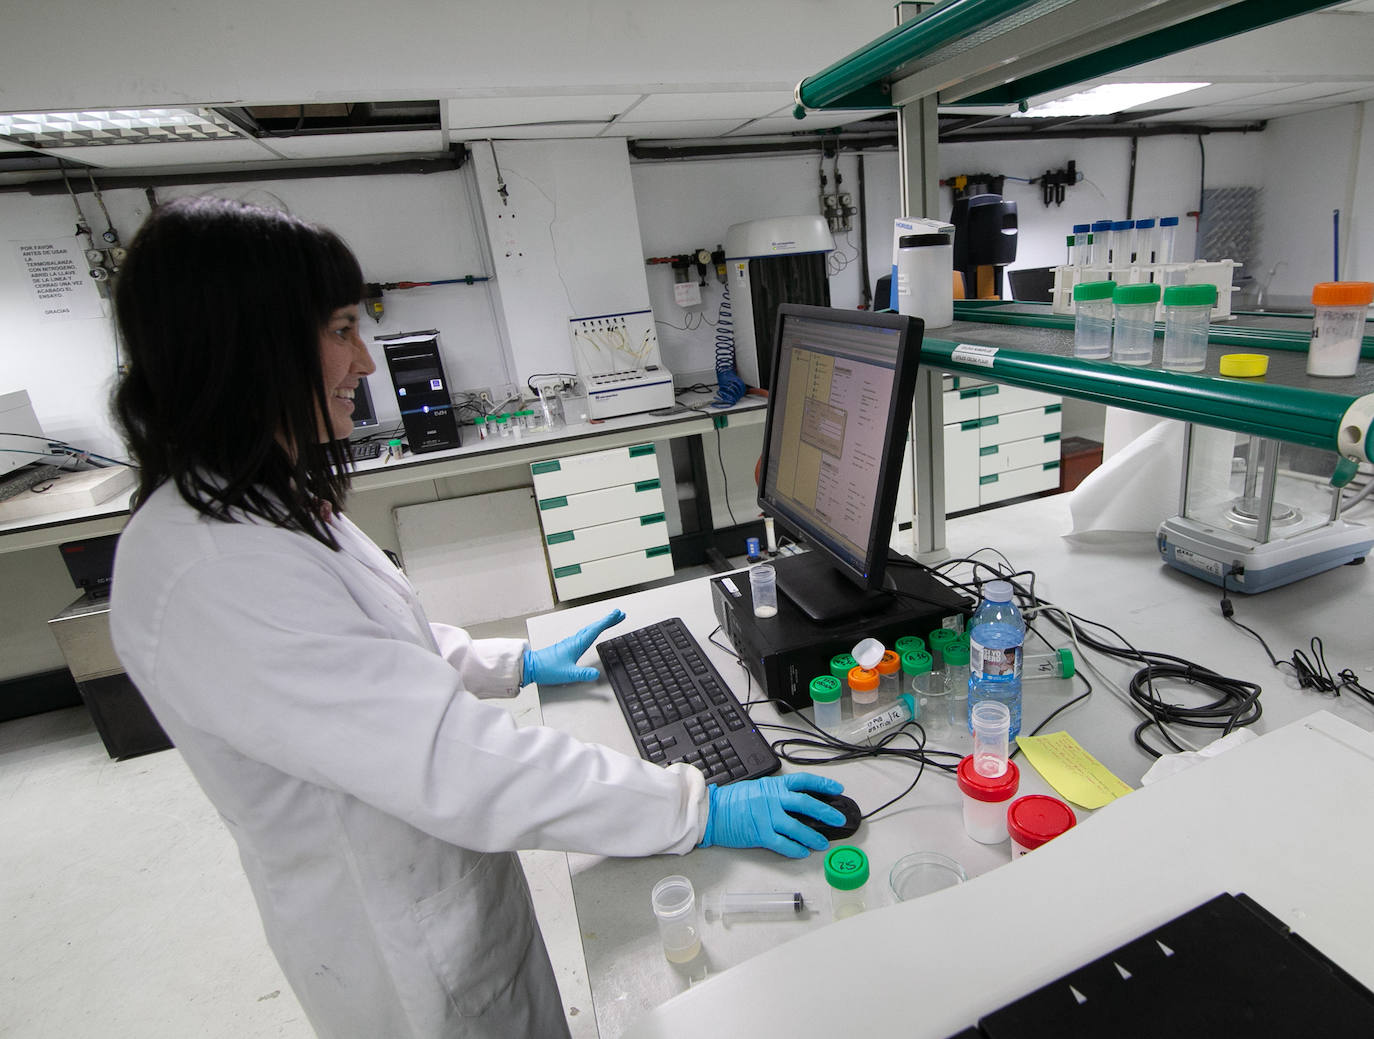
(1244, 366)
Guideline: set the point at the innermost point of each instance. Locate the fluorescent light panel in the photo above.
(1107, 99)
(116, 126)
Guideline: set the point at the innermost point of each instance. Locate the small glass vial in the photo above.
(1187, 318)
(846, 872)
(1092, 320)
(889, 677)
(825, 702)
(1133, 338)
(863, 687)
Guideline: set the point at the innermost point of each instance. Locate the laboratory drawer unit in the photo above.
(603, 520)
(1001, 442)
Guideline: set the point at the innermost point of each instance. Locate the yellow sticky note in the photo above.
(1072, 771)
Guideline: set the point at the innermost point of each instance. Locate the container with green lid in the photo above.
(909, 644)
(842, 664)
(938, 640)
(846, 872)
(916, 666)
(1092, 320)
(480, 422)
(1133, 330)
(1187, 321)
(825, 702)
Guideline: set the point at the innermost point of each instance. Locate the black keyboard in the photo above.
(679, 708)
(365, 449)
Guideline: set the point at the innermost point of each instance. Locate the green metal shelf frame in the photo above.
(1338, 422)
(864, 78)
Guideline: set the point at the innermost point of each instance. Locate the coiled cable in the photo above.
(730, 387)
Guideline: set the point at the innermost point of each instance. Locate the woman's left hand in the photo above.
(557, 664)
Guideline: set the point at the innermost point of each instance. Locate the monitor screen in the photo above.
(838, 412)
(364, 414)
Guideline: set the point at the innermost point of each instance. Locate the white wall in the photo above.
(403, 228)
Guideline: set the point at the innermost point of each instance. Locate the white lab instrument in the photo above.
(1257, 513)
(617, 359)
(20, 433)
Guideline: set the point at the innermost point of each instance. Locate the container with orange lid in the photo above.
(1338, 326)
(863, 685)
(889, 676)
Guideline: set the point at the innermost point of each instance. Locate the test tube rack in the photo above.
(1200, 272)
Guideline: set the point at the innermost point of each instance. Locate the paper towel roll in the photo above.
(1137, 488)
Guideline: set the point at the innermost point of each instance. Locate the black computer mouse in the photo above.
(852, 816)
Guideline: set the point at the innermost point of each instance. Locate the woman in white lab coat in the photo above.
(376, 800)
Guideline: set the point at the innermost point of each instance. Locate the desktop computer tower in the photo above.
(783, 653)
(417, 373)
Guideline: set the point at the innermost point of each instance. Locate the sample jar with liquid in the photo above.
(825, 702)
(1133, 338)
(675, 908)
(1092, 320)
(1187, 320)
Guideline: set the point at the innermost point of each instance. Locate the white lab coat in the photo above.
(376, 801)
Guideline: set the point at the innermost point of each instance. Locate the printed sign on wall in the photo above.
(59, 279)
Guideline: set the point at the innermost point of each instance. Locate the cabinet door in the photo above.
(961, 466)
(602, 575)
(566, 547)
(590, 508)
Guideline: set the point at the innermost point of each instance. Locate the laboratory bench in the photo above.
(690, 418)
(1253, 819)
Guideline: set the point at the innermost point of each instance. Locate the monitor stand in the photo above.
(823, 593)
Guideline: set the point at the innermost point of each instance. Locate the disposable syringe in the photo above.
(732, 903)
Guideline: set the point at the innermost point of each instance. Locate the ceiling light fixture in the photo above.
(1107, 99)
(116, 126)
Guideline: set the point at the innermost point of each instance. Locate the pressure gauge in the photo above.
(703, 256)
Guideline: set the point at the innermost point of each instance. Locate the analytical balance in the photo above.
(1257, 513)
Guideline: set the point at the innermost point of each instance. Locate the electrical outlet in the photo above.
(477, 393)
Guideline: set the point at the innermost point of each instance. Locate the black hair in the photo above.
(220, 305)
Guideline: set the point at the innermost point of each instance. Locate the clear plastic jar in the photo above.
(1187, 319)
(1339, 309)
(956, 680)
(1092, 320)
(846, 872)
(1133, 337)
(825, 702)
(909, 644)
(889, 677)
(863, 686)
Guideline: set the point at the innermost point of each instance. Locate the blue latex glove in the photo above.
(557, 664)
(753, 814)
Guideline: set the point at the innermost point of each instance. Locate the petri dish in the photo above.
(922, 872)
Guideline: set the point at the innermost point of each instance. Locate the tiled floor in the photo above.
(124, 911)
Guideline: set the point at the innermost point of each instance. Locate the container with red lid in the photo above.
(1035, 819)
(985, 800)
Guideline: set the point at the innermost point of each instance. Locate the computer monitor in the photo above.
(838, 410)
(364, 414)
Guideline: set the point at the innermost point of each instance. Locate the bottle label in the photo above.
(992, 662)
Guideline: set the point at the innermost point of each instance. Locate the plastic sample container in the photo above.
(916, 666)
(1133, 334)
(923, 872)
(1036, 819)
(986, 799)
(956, 680)
(825, 702)
(1092, 320)
(925, 283)
(675, 908)
(1338, 326)
(1187, 317)
(841, 664)
(863, 686)
(846, 872)
(909, 644)
(763, 586)
(1101, 230)
(889, 676)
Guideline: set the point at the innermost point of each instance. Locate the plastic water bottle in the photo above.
(995, 636)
